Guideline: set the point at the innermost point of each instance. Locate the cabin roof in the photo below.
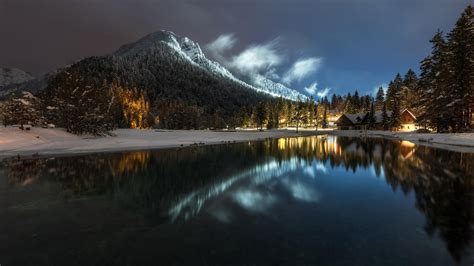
(355, 119)
(362, 118)
(410, 113)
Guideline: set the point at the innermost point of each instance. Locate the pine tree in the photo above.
(393, 91)
(367, 102)
(395, 116)
(385, 118)
(379, 99)
(289, 113)
(24, 111)
(261, 115)
(80, 105)
(425, 93)
(310, 109)
(325, 117)
(460, 70)
(435, 96)
(5, 113)
(316, 115)
(349, 105)
(410, 79)
(408, 94)
(356, 102)
(334, 101)
(371, 116)
(299, 114)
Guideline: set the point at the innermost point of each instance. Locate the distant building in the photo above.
(333, 115)
(408, 120)
(351, 121)
(360, 121)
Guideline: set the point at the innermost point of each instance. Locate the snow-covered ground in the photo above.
(14, 141)
(57, 141)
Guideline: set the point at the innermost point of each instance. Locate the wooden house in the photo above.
(407, 120)
(351, 121)
(361, 121)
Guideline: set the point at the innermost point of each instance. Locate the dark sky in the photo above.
(360, 44)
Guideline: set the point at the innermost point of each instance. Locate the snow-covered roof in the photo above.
(356, 118)
(408, 111)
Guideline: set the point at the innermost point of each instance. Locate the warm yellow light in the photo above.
(408, 144)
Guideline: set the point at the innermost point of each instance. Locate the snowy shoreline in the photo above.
(43, 142)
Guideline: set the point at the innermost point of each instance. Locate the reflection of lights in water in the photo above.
(407, 149)
(408, 144)
(281, 144)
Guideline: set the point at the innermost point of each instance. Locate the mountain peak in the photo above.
(192, 52)
(10, 76)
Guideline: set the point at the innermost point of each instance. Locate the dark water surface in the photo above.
(297, 201)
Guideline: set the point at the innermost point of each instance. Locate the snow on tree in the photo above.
(395, 116)
(379, 98)
(324, 122)
(408, 94)
(299, 114)
(460, 69)
(385, 117)
(371, 116)
(393, 91)
(446, 84)
(77, 103)
(25, 110)
(261, 115)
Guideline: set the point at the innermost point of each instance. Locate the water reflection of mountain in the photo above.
(175, 184)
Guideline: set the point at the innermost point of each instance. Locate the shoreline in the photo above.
(57, 142)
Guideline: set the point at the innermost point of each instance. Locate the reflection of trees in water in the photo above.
(443, 183)
(148, 182)
(444, 191)
(152, 182)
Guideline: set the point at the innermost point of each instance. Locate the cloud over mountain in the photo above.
(302, 69)
(263, 61)
(219, 46)
(313, 89)
(257, 59)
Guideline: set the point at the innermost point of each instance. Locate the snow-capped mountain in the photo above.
(10, 76)
(276, 89)
(192, 52)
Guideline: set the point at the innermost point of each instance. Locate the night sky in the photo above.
(341, 45)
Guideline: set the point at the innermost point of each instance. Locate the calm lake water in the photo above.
(297, 201)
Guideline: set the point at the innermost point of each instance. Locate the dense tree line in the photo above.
(442, 97)
(24, 110)
(446, 83)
